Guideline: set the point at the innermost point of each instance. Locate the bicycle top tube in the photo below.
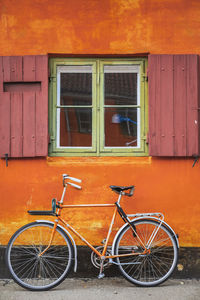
(68, 180)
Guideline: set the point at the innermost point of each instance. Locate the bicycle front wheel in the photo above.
(152, 268)
(28, 268)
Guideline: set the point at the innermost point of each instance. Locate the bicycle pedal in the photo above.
(103, 242)
(101, 275)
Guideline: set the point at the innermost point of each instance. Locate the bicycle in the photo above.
(41, 254)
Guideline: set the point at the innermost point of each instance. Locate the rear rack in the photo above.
(159, 216)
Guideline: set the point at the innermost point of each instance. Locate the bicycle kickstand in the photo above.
(101, 274)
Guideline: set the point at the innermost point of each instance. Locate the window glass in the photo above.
(121, 85)
(121, 127)
(75, 127)
(121, 97)
(74, 112)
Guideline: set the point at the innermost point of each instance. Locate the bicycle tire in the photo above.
(151, 269)
(39, 273)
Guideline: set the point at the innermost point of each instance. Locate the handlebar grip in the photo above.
(75, 179)
(75, 185)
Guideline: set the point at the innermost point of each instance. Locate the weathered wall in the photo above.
(170, 186)
(101, 27)
(93, 26)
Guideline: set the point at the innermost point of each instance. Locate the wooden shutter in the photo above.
(173, 105)
(24, 106)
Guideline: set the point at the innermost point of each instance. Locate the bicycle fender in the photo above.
(140, 218)
(71, 238)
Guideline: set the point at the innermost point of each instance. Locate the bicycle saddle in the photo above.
(120, 189)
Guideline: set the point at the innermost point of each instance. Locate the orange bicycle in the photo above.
(41, 254)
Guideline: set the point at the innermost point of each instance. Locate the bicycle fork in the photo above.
(51, 238)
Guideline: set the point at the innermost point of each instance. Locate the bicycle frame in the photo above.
(101, 255)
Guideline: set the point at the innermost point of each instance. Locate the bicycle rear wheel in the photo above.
(146, 269)
(35, 272)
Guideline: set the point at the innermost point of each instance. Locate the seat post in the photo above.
(119, 198)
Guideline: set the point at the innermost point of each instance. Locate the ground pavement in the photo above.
(105, 289)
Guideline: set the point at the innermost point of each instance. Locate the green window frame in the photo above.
(100, 107)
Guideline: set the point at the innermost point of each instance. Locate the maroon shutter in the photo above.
(173, 105)
(24, 106)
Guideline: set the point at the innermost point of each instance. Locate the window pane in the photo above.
(76, 89)
(120, 85)
(75, 127)
(121, 127)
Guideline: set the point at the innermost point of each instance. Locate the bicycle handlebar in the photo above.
(75, 179)
(65, 176)
(75, 185)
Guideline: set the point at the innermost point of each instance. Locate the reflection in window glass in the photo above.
(120, 89)
(121, 127)
(76, 89)
(121, 100)
(75, 127)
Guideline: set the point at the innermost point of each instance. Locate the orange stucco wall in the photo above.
(101, 27)
(170, 186)
(93, 26)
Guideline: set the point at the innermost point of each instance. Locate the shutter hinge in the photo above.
(6, 159)
(196, 158)
(195, 108)
(52, 78)
(145, 77)
(147, 138)
(51, 139)
(144, 138)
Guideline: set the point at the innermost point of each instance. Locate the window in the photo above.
(98, 107)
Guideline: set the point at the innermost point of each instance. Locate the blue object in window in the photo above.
(117, 118)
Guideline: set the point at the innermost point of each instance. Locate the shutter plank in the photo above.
(42, 106)
(41, 62)
(16, 68)
(41, 125)
(16, 125)
(166, 111)
(1, 74)
(29, 124)
(192, 105)
(198, 101)
(180, 105)
(161, 133)
(29, 68)
(4, 124)
(6, 68)
(154, 104)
